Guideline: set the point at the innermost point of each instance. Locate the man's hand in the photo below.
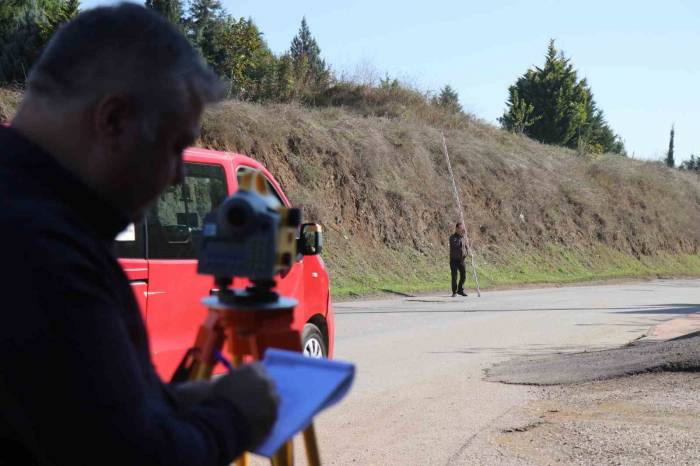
(249, 389)
(254, 395)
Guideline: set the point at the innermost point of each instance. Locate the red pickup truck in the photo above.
(159, 257)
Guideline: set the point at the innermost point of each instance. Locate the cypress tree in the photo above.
(670, 162)
(552, 105)
(520, 114)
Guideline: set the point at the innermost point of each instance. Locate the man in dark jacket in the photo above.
(109, 107)
(458, 253)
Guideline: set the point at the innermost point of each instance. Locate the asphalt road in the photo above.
(419, 396)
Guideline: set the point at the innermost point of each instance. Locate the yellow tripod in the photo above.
(250, 322)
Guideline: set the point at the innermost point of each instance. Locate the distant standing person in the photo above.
(458, 249)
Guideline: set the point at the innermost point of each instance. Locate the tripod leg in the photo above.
(289, 447)
(312, 454)
(236, 360)
(284, 456)
(210, 338)
(244, 460)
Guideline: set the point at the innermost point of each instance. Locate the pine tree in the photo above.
(670, 162)
(448, 99)
(25, 27)
(247, 62)
(170, 9)
(552, 105)
(283, 89)
(389, 83)
(692, 164)
(204, 28)
(20, 40)
(57, 12)
(234, 48)
(310, 69)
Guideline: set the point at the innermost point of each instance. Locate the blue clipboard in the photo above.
(306, 387)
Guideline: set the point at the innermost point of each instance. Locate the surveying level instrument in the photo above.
(249, 236)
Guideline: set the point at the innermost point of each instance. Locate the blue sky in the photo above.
(641, 58)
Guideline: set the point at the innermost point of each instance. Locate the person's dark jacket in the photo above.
(76, 381)
(457, 247)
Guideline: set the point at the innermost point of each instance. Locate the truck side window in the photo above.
(130, 243)
(243, 169)
(174, 222)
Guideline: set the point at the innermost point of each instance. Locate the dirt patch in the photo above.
(9, 101)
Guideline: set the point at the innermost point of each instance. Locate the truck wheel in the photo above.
(312, 342)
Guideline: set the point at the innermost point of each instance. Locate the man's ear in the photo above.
(112, 116)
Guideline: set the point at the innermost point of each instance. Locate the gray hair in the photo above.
(124, 49)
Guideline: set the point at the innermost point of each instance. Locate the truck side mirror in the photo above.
(311, 239)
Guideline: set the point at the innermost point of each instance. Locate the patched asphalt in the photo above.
(682, 354)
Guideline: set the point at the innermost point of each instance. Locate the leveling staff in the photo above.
(110, 105)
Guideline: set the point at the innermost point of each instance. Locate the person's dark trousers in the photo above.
(458, 266)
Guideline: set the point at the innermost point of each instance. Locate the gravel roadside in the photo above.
(634, 405)
(646, 419)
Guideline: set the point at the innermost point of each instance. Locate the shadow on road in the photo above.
(398, 293)
(665, 309)
(522, 350)
(641, 309)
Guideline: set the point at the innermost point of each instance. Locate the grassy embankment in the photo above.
(370, 167)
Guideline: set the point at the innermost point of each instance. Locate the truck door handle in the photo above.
(314, 274)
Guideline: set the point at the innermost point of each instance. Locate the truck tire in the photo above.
(313, 343)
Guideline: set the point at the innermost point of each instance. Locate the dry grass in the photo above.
(374, 175)
(9, 101)
(379, 183)
(391, 101)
